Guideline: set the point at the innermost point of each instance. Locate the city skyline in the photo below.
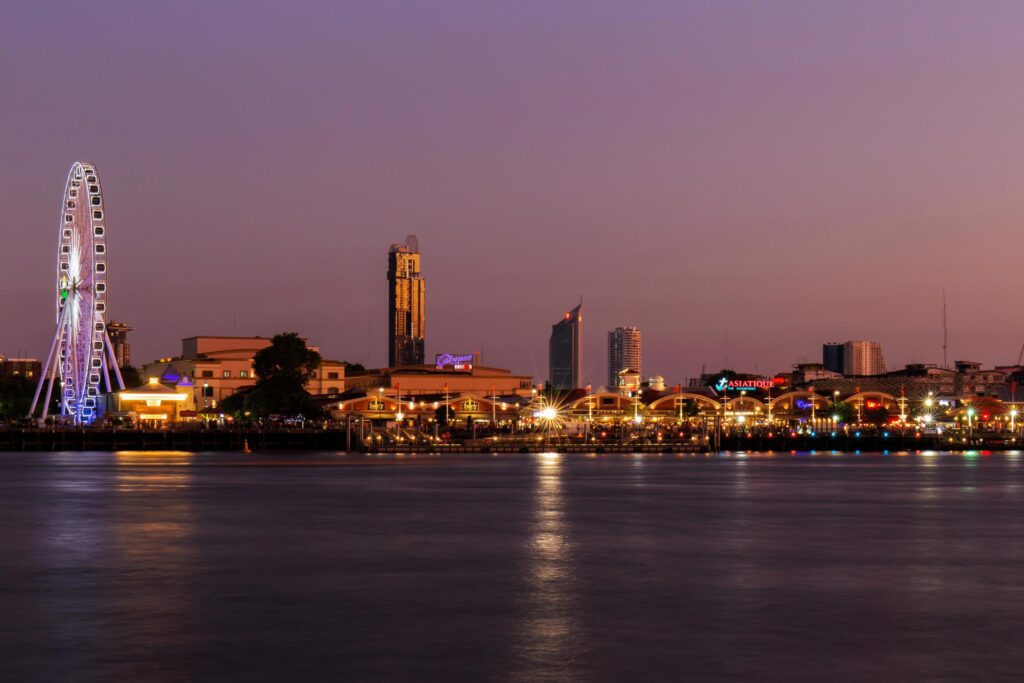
(283, 185)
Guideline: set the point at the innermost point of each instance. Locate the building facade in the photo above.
(625, 352)
(406, 320)
(419, 380)
(20, 367)
(861, 358)
(118, 333)
(832, 357)
(220, 366)
(565, 351)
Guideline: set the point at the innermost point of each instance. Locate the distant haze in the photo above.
(781, 174)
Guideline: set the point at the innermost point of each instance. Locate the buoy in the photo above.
(245, 446)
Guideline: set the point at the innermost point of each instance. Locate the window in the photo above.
(207, 391)
(98, 231)
(98, 215)
(207, 373)
(97, 346)
(100, 249)
(94, 189)
(65, 249)
(64, 266)
(67, 234)
(101, 267)
(96, 201)
(101, 286)
(244, 374)
(100, 307)
(332, 375)
(68, 218)
(227, 373)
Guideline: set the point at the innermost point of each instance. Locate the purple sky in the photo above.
(780, 173)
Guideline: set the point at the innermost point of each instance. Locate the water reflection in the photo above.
(548, 633)
(153, 547)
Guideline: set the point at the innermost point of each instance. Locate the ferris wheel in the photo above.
(81, 354)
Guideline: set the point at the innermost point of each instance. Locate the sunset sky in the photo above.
(775, 173)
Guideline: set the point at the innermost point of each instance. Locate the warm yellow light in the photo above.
(131, 396)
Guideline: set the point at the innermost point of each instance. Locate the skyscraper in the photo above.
(853, 358)
(565, 351)
(863, 358)
(118, 333)
(405, 304)
(832, 357)
(625, 351)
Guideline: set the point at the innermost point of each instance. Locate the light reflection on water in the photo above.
(548, 632)
(180, 566)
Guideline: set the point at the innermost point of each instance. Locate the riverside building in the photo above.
(214, 368)
(406, 320)
(853, 358)
(625, 352)
(565, 351)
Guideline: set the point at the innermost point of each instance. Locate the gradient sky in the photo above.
(775, 173)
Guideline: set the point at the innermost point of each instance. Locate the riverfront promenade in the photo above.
(338, 440)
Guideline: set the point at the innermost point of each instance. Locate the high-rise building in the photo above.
(832, 357)
(853, 358)
(625, 352)
(565, 351)
(118, 333)
(405, 304)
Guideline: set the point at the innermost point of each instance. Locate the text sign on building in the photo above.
(451, 361)
(726, 384)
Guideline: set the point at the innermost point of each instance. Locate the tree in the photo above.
(282, 370)
(16, 397)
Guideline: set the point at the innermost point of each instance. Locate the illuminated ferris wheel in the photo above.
(80, 355)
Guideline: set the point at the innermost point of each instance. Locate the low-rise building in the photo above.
(415, 380)
(153, 404)
(221, 366)
(20, 367)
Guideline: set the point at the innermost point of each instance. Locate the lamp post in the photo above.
(970, 422)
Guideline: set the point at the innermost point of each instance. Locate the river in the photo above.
(280, 567)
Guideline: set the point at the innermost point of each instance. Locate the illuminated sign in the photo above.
(450, 361)
(726, 384)
(803, 404)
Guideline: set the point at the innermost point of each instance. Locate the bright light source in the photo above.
(638, 419)
(548, 413)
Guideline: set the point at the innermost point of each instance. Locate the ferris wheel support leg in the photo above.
(49, 390)
(113, 362)
(46, 368)
(106, 370)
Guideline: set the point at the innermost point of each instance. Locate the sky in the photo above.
(741, 180)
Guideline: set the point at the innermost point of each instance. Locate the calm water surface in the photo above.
(171, 567)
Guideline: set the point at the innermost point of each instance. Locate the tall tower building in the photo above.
(832, 357)
(565, 351)
(118, 333)
(863, 358)
(625, 352)
(405, 304)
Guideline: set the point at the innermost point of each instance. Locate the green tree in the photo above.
(16, 397)
(282, 370)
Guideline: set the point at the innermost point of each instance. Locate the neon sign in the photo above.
(726, 384)
(450, 361)
(803, 404)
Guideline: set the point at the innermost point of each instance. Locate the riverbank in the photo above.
(340, 440)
